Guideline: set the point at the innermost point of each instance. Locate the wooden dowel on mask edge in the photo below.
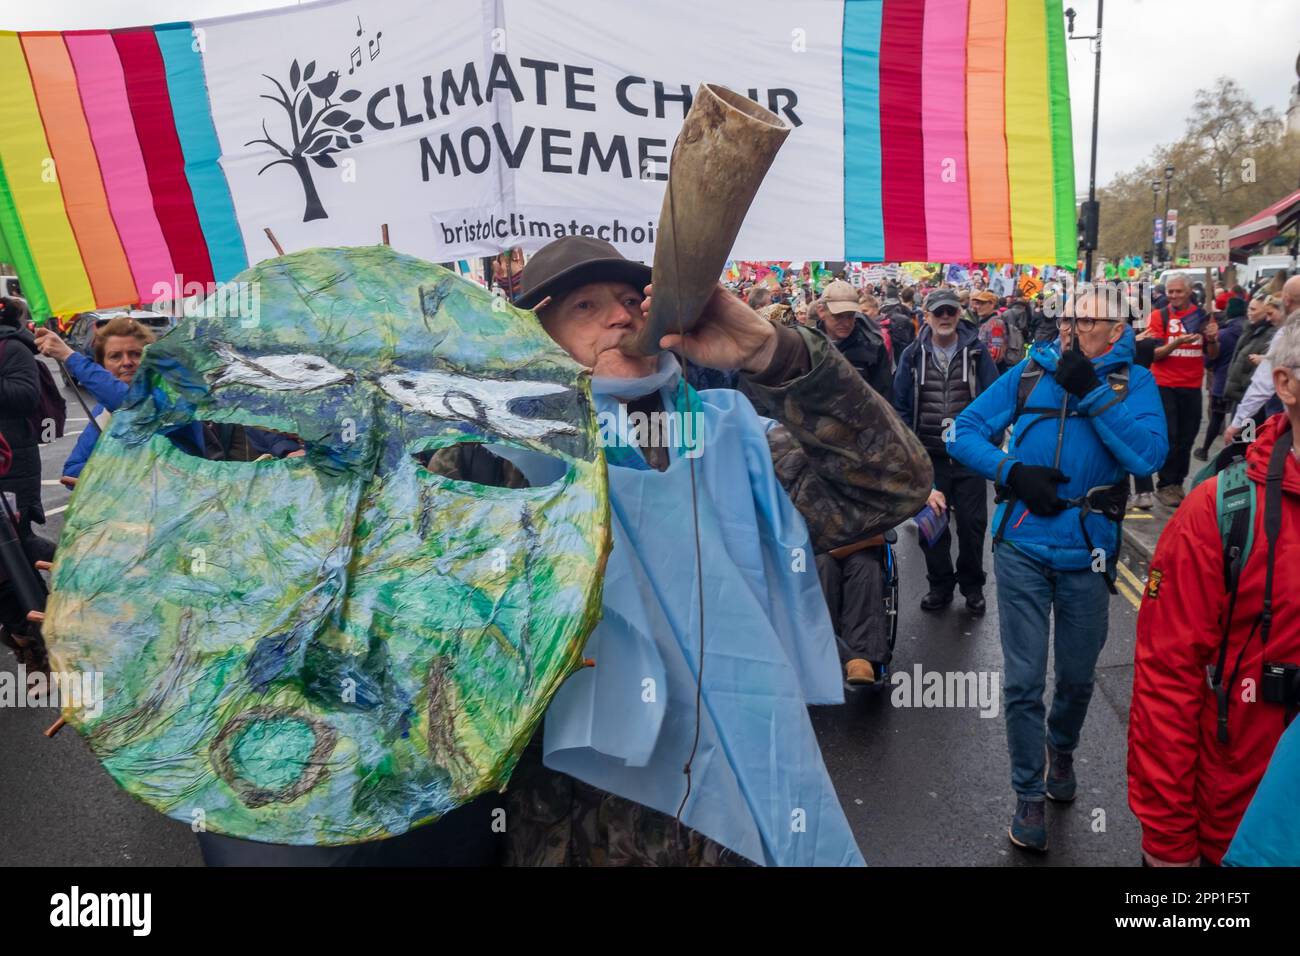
(384, 231)
(55, 727)
(275, 242)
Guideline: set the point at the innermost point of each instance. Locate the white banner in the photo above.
(518, 120)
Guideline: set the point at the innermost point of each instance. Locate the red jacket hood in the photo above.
(1260, 450)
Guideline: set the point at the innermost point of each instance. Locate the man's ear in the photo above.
(1287, 386)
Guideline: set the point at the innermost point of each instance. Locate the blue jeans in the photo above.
(1027, 592)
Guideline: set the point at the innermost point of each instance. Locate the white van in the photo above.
(1192, 276)
(1262, 268)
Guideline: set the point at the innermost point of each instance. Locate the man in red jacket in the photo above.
(1186, 338)
(1195, 756)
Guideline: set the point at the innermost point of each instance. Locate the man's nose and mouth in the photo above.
(619, 329)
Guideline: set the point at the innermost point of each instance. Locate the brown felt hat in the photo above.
(573, 261)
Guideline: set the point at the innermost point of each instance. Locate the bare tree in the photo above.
(1233, 160)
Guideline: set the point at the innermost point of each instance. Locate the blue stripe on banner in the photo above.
(864, 218)
(193, 116)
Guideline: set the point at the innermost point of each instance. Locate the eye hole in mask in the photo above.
(492, 464)
(238, 444)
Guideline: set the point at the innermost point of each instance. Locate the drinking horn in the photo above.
(724, 150)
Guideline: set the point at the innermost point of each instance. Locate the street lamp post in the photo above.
(1155, 212)
(1090, 217)
(1165, 251)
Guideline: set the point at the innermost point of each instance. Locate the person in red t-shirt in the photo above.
(1188, 338)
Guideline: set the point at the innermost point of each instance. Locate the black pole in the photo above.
(1096, 112)
(76, 390)
(1164, 236)
(1155, 212)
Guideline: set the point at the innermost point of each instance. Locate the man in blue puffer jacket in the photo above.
(1063, 485)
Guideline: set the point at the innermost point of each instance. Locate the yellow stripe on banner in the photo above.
(33, 181)
(1029, 134)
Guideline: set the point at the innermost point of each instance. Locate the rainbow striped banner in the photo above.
(957, 132)
(112, 184)
(925, 130)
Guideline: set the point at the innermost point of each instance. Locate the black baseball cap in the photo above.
(942, 297)
(573, 261)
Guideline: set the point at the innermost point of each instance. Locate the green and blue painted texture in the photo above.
(342, 646)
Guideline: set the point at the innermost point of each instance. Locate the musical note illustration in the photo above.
(356, 60)
(358, 26)
(374, 45)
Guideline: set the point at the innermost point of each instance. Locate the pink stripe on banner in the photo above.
(943, 119)
(126, 179)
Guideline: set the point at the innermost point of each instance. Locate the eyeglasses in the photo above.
(1083, 323)
(945, 312)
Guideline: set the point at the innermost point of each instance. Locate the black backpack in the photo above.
(51, 409)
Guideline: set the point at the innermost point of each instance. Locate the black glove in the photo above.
(1035, 485)
(1075, 374)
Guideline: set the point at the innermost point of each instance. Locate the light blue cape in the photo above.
(758, 785)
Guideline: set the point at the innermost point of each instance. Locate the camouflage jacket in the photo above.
(847, 461)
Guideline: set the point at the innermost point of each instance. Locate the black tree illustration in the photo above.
(319, 127)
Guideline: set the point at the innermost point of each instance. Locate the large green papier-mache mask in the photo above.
(337, 647)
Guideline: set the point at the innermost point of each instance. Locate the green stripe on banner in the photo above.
(24, 265)
(1058, 76)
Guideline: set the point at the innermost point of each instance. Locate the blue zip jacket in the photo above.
(1267, 834)
(986, 372)
(109, 393)
(1105, 442)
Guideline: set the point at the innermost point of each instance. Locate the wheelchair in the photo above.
(880, 554)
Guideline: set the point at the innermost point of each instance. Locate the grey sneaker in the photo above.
(1144, 500)
(1061, 784)
(1028, 828)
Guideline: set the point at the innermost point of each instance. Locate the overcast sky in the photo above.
(1157, 53)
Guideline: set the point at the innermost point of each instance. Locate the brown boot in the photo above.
(1170, 496)
(858, 671)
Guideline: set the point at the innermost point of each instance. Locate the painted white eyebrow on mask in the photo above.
(298, 372)
(479, 400)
